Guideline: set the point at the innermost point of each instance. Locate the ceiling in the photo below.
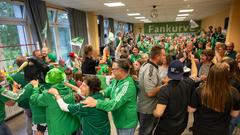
(167, 9)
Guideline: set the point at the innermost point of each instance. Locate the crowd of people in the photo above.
(151, 83)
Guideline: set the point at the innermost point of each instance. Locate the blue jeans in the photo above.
(4, 129)
(126, 131)
(234, 122)
(147, 124)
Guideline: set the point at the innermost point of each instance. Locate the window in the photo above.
(11, 10)
(126, 28)
(60, 31)
(15, 34)
(106, 27)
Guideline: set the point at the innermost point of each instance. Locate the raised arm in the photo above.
(194, 70)
(75, 88)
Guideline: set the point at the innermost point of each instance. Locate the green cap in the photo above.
(52, 57)
(54, 76)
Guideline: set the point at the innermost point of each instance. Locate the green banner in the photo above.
(170, 27)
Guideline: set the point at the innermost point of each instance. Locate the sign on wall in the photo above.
(170, 27)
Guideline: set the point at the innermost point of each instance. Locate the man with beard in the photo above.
(45, 52)
(230, 50)
(149, 86)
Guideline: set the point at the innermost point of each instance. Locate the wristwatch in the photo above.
(55, 95)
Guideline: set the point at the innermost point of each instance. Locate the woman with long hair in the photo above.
(234, 77)
(90, 60)
(214, 103)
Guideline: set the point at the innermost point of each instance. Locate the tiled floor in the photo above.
(17, 126)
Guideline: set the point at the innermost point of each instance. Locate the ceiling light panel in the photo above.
(140, 17)
(114, 4)
(133, 14)
(186, 10)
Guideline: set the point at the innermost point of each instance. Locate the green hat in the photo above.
(54, 76)
(52, 57)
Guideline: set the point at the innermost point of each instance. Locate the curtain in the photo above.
(130, 27)
(101, 30)
(37, 13)
(78, 24)
(111, 24)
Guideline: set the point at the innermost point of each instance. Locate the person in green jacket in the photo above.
(135, 56)
(93, 121)
(4, 129)
(122, 94)
(58, 122)
(38, 117)
(24, 94)
(51, 60)
(20, 79)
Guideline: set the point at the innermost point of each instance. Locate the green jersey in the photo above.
(38, 112)
(122, 103)
(59, 122)
(94, 121)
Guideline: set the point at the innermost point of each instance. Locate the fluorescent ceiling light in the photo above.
(180, 17)
(186, 10)
(147, 21)
(140, 17)
(114, 4)
(133, 14)
(183, 15)
(144, 20)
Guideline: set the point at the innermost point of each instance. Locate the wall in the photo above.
(137, 27)
(233, 33)
(92, 27)
(216, 19)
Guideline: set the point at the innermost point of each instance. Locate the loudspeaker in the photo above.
(226, 23)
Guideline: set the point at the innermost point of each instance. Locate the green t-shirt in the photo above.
(122, 103)
(94, 121)
(134, 58)
(58, 121)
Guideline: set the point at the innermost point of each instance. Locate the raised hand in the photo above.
(53, 91)
(34, 83)
(90, 102)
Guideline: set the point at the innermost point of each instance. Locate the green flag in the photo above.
(78, 41)
(138, 39)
